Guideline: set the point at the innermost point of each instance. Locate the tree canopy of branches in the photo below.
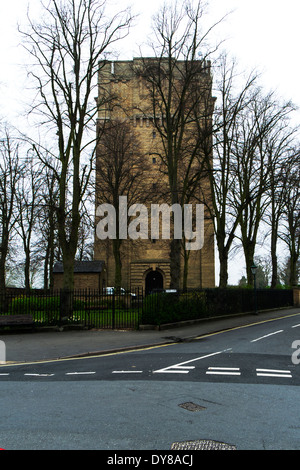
(247, 155)
(11, 167)
(263, 119)
(121, 171)
(66, 47)
(178, 83)
(290, 232)
(231, 102)
(251, 135)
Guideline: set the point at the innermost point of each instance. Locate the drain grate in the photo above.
(190, 406)
(202, 444)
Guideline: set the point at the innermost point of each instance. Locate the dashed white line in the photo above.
(266, 336)
(223, 371)
(273, 373)
(127, 372)
(80, 373)
(39, 375)
(296, 326)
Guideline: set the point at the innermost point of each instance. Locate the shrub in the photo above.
(24, 304)
(163, 308)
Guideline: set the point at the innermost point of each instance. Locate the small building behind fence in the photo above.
(87, 275)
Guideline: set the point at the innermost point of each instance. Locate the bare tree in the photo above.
(285, 272)
(11, 168)
(280, 155)
(121, 171)
(177, 83)
(250, 138)
(290, 230)
(27, 201)
(66, 47)
(47, 243)
(233, 96)
(252, 174)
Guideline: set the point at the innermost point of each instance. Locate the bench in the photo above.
(16, 320)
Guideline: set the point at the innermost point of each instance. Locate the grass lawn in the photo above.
(102, 318)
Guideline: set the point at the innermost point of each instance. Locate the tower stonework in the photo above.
(145, 262)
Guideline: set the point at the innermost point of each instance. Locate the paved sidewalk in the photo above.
(52, 345)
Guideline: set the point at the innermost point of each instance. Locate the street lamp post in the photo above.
(253, 270)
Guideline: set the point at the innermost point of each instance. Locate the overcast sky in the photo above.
(261, 34)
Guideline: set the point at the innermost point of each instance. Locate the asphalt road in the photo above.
(239, 387)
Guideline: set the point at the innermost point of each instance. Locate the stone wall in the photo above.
(81, 281)
(296, 294)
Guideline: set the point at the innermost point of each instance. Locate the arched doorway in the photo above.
(154, 280)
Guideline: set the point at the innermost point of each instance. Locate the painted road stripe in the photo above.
(273, 373)
(266, 336)
(142, 348)
(181, 368)
(80, 373)
(296, 326)
(127, 372)
(223, 371)
(177, 369)
(212, 372)
(39, 375)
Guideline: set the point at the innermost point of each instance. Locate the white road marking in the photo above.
(296, 326)
(39, 375)
(273, 373)
(223, 371)
(266, 336)
(127, 372)
(181, 368)
(3, 374)
(173, 370)
(80, 373)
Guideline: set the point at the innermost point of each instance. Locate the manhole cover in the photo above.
(202, 444)
(190, 406)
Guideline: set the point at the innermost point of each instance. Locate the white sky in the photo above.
(261, 34)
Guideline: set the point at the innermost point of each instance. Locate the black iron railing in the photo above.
(161, 308)
(119, 309)
(86, 308)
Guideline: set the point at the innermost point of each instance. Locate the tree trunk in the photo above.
(27, 270)
(223, 276)
(67, 292)
(249, 249)
(274, 260)
(46, 267)
(185, 269)
(2, 275)
(293, 269)
(175, 258)
(118, 263)
(3, 255)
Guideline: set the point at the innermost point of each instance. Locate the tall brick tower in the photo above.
(146, 262)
